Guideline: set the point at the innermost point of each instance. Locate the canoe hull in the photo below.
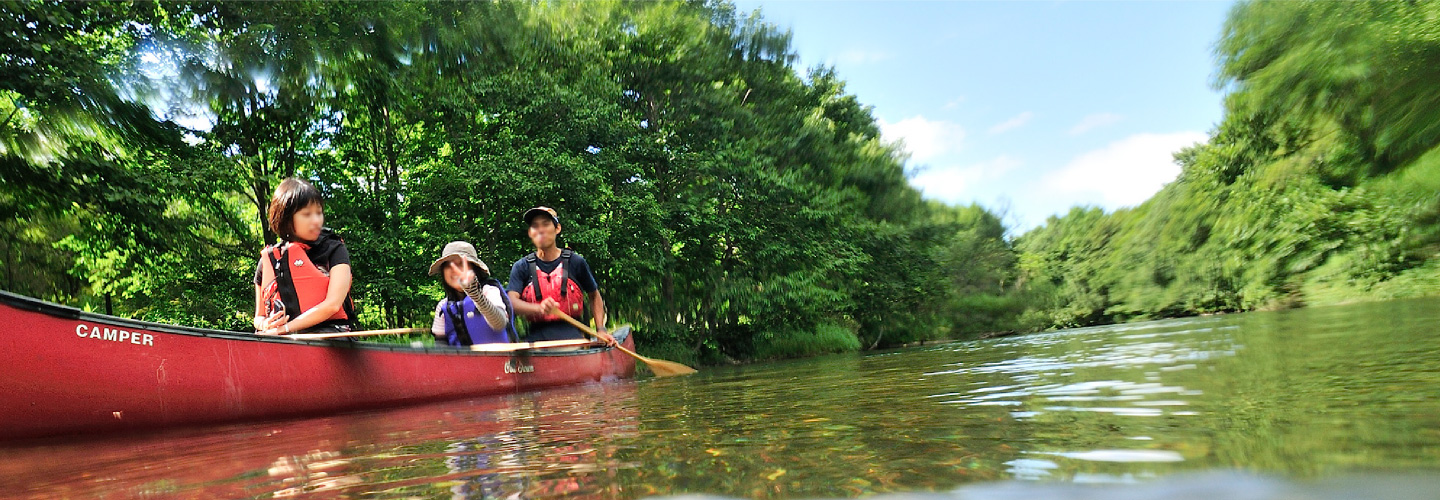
(68, 372)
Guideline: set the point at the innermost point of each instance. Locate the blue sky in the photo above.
(1028, 108)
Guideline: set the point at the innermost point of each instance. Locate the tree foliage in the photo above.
(732, 206)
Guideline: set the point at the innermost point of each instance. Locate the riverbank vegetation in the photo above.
(1321, 184)
(733, 206)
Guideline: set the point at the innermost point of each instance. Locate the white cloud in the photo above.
(1012, 123)
(923, 138)
(1096, 120)
(952, 184)
(1124, 173)
(860, 56)
(953, 103)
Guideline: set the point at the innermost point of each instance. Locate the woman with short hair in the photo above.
(302, 283)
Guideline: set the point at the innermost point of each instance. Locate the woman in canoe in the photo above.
(475, 309)
(302, 283)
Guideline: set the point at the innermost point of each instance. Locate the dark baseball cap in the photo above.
(531, 214)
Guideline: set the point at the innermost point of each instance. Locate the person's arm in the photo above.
(485, 296)
(437, 327)
(490, 304)
(597, 310)
(529, 308)
(518, 274)
(262, 322)
(586, 279)
(334, 299)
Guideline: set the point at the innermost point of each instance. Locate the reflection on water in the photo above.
(1202, 486)
(1300, 397)
(536, 445)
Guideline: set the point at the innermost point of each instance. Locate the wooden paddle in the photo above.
(521, 346)
(660, 367)
(367, 333)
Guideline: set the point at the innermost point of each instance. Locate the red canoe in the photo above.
(65, 371)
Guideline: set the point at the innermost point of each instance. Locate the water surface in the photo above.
(1304, 396)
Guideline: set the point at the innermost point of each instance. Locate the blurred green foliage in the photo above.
(733, 207)
(1321, 185)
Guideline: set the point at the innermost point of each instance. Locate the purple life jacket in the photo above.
(465, 326)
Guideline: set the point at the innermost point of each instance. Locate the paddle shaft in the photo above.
(525, 346)
(367, 333)
(659, 367)
(586, 328)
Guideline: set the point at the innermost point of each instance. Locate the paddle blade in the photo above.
(663, 368)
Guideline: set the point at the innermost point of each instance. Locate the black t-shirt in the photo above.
(325, 252)
(521, 277)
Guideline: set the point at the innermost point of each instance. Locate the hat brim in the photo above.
(531, 214)
(435, 267)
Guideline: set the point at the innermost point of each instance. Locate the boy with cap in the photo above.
(475, 309)
(553, 278)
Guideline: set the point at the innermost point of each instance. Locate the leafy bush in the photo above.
(824, 339)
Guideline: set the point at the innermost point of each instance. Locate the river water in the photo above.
(1324, 402)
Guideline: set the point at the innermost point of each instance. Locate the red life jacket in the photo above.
(299, 285)
(555, 284)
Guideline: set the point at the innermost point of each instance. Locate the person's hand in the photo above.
(550, 306)
(605, 337)
(274, 324)
(464, 274)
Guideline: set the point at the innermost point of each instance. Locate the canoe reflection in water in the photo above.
(484, 457)
(503, 466)
(311, 473)
(549, 444)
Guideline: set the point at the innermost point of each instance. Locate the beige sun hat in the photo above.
(458, 250)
